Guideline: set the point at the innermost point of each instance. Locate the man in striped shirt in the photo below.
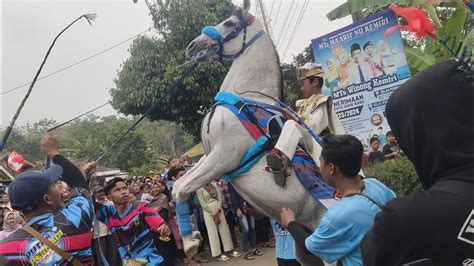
(64, 219)
(133, 226)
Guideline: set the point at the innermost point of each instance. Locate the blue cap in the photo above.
(28, 188)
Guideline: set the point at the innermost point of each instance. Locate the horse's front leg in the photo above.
(214, 165)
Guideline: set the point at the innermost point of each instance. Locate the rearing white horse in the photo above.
(256, 67)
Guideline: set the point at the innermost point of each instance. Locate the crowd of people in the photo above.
(48, 217)
(126, 212)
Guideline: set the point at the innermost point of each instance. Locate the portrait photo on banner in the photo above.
(362, 69)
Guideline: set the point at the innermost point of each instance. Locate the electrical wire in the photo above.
(278, 12)
(271, 9)
(76, 63)
(288, 25)
(284, 22)
(297, 25)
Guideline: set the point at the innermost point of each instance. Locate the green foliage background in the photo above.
(399, 174)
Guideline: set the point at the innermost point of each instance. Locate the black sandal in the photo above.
(257, 252)
(249, 256)
(278, 168)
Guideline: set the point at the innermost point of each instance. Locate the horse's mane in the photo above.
(239, 13)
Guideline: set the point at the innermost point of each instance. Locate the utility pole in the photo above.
(264, 16)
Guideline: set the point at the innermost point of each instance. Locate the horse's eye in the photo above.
(229, 23)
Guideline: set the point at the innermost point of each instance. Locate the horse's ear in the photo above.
(246, 6)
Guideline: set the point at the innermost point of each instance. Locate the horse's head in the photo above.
(229, 38)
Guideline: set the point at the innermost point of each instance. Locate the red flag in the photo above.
(417, 19)
(15, 161)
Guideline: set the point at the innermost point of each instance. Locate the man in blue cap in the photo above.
(50, 218)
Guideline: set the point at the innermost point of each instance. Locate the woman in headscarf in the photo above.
(332, 76)
(160, 199)
(10, 224)
(1, 218)
(432, 117)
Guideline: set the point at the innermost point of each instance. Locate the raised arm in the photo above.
(71, 174)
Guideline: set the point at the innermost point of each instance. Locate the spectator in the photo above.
(172, 162)
(381, 136)
(174, 227)
(132, 199)
(391, 149)
(135, 240)
(99, 194)
(435, 127)
(247, 224)
(375, 156)
(6, 201)
(285, 245)
(10, 224)
(174, 174)
(160, 200)
(104, 246)
(39, 194)
(227, 207)
(1, 218)
(20, 218)
(145, 191)
(211, 202)
(160, 203)
(135, 188)
(149, 180)
(263, 229)
(342, 227)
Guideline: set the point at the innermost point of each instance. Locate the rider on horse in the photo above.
(316, 111)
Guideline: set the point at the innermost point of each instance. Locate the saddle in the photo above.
(264, 123)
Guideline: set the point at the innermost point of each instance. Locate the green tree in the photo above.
(399, 174)
(152, 66)
(86, 139)
(26, 139)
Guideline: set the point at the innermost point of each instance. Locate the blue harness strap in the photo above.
(306, 170)
(253, 117)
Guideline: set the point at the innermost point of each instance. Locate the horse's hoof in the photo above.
(191, 243)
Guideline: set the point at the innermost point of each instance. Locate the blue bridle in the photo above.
(215, 35)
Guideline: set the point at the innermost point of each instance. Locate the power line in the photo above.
(77, 63)
(284, 22)
(289, 23)
(271, 9)
(106, 103)
(298, 22)
(295, 28)
(256, 9)
(278, 12)
(77, 117)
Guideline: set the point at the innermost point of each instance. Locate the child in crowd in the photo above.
(391, 149)
(285, 245)
(375, 156)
